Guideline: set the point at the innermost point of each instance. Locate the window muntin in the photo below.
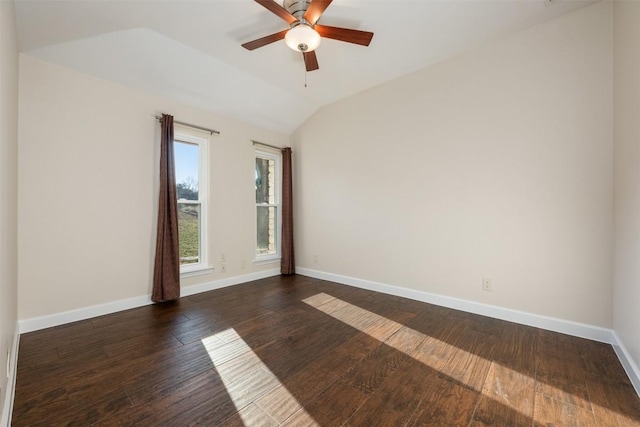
(191, 168)
(267, 196)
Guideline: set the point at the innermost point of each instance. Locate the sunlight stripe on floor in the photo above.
(247, 381)
(453, 362)
(421, 347)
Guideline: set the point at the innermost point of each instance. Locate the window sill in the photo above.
(196, 272)
(263, 261)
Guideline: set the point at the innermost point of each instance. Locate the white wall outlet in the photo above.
(486, 284)
(315, 259)
(223, 257)
(223, 268)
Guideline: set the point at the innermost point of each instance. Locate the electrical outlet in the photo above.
(223, 257)
(223, 268)
(486, 284)
(315, 259)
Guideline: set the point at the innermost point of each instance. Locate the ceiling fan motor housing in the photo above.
(296, 7)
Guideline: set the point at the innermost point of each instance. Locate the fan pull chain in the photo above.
(305, 77)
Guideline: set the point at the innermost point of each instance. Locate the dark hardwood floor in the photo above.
(299, 351)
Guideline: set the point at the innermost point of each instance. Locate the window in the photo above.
(267, 174)
(191, 167)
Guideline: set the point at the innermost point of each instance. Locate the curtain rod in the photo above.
(266, 145)
(211, 131)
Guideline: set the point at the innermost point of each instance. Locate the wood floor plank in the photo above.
(139, 346)
(557, 344)
(507, 398)
(39, 406)
(240, 366)
(601, 364)
(552, 412)
(168, 371)
(406, 340)
(445, 403)
(336, 404)
(615, 404)
(186, 401)
(434, 353)
(75, 413)
(251, 415)
(516, 348)
(299, 350)
(395, 400)
(467, 368)
(563, 378)
(317, 377)
(301, 419)
(195, 330)
(373, 370)
(279, 404)
(249, 389)
(345, 396)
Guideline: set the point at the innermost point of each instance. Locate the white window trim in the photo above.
(191, 136)
(275, 257)
(201, 272)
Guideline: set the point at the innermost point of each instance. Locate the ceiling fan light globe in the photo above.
(302, 38)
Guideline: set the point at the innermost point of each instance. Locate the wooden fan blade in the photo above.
(310, 60)
(278, 10)
(345, 34)
(316, 8)
(264, 40)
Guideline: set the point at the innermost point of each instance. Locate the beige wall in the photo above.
(88, 189)
(8, 185)
(626, 289)
(497, 163)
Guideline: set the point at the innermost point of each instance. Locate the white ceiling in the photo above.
(190, 50)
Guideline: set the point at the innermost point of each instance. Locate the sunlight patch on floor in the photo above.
(457, 364)
(424, 348)
(247, 378)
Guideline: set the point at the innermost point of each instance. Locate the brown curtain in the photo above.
(166, 272)
(288, 262)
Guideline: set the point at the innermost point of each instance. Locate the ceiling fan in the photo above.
(305, 33)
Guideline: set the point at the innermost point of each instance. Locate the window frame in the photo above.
(276, 156)
(187, 135)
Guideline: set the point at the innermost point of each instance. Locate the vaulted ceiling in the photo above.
(190, 50)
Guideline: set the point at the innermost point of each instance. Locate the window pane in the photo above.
(186, 164)
(265, 181)
(189, 233)
(266, 230)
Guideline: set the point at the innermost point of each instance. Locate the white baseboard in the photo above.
(633, 372)
(7, 409)
(37, 323)
(568, 327)
(56, 319)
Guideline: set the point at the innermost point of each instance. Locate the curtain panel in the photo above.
(288, 262)
(166, 272)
